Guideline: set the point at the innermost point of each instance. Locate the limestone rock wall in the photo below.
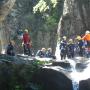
(76, 17)
(5, 7)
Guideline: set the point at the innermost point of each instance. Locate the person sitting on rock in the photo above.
(10, 49)
(49, 54)
(41, 53)
(70, 49)
(63, 48)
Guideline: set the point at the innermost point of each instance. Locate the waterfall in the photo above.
(3, 41)
(75, 82)
(75, 85)
(57, 53)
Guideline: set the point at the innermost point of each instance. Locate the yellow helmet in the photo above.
(78, 38)
(70, 40)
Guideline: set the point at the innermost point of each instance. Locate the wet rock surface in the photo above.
(63, 64)
(81, 66)
(23, 70)
(51, 77)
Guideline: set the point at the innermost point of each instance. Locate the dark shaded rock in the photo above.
(62, 64)
(52, 80)
(26, 73)
(80, 66)
(16, 59)
(16, 72)
(84, 85)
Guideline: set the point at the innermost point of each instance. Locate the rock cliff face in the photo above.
(5, 7)
(75, 18)
(22, 17)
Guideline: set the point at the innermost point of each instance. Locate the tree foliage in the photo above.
(44, 5)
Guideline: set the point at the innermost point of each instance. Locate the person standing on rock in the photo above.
(63, 48)
(27, 43)
(81, 45)
(86, 38)
(70, 49)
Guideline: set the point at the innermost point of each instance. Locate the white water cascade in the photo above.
(75, 75)
(3, 41)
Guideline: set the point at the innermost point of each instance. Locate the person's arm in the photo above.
(84, 37)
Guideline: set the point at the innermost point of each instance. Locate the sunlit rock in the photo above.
(75, 19)
(5, 7)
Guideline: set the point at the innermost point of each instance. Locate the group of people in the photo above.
(26, 42)
(79, 46)
(43, 53)
(27, 45)
(68, 47)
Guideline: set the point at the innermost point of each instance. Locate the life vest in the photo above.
(26, 38)
(86, 37)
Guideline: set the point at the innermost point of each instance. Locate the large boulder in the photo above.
(80, 66)
(25, 74)
(62, 64)
(16, 72)
(84, 85)
(52, 80)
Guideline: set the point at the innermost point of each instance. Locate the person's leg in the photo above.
(72, 54)
(65, 53)
(61, 56)
(64, 56)
(24, 47)
(29, 50)
(86, 52)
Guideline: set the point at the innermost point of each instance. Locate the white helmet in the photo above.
(87, 32)
(26, 30)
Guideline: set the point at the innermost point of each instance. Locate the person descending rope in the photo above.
(63, 48)
(27, 43)
(86, 38)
